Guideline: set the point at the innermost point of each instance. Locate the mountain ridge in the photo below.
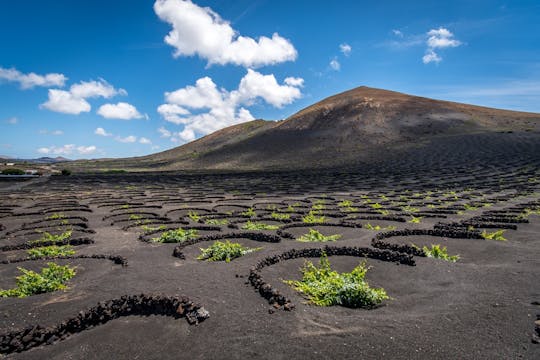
(347, 128)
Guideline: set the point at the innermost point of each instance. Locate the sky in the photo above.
(96, 78)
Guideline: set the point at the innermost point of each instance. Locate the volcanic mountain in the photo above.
(357, 126)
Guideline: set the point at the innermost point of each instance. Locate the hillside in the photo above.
(360, 125)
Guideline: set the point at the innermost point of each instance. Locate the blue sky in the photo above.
(93, 78)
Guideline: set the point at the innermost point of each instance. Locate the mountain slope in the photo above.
(363, 124)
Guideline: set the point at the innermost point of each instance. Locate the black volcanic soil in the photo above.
(481, 307)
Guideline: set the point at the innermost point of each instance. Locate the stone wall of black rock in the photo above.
(536, 334)
(117, 259)
(287, 235)
(128, 305)
(277, 300)
(26, 246)
(255, 236)
(475, 224)
(448, 232)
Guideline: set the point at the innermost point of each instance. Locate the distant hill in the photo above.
(360, 125)
(41, 160)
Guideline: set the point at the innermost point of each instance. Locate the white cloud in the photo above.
(164, 132)
(335, 65)
(68, 149)
(121, 111)
(74, 101)
(101, 132)
(255, 84)
(93, 89)
(54, 132)
(144, 140)
(86, 150)
(200, 31)
(12, 121)
(30, 80)
(431, 56)
(440, 38)
(294, 81)
(398, 33)
(345, 49)
(64, 102)
(127, 139)
(203, 108)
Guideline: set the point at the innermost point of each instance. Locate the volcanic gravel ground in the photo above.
(481, 307)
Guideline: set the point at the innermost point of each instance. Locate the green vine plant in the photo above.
(315, 236)
(251, 225)
(194, 216)
(51, 278)
(312, 218)
(280, 216)
(225, 251)
(438, 252)
(249, 212)
(496, 235)
(216, 221)
(48, 237)
(51, 251)
(368, 226)
(176, 236)
(323, 286)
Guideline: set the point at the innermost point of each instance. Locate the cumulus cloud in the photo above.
(127, 139)
(12, 121)
(31, 80)
(74, 101)
(335, 65)
(54, 132)
(345, 49)
(200, 31)
(440, 38)
(255, 84)
(164, 132)
(68, 149)
(101, 132)
(431, 56)
(204, 108)
(121, 111)
(144, 140)
(398, 33)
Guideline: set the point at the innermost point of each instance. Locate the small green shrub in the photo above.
(438, 252)
(249, 212)
(323, 286)
(224, 251)
(368, 226)
(280, 216)
(496, 235)
(135, 217)
(259, 226)
(316, 236)
(311, 218)
(12, 171)
(46, 237)
(49, 251)
(216, 222)
(415, 220)
(66, 172)
(52, 278)
(194, 216)
(345, 203)
(148, 229)
(177, 235)
(56, 216)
